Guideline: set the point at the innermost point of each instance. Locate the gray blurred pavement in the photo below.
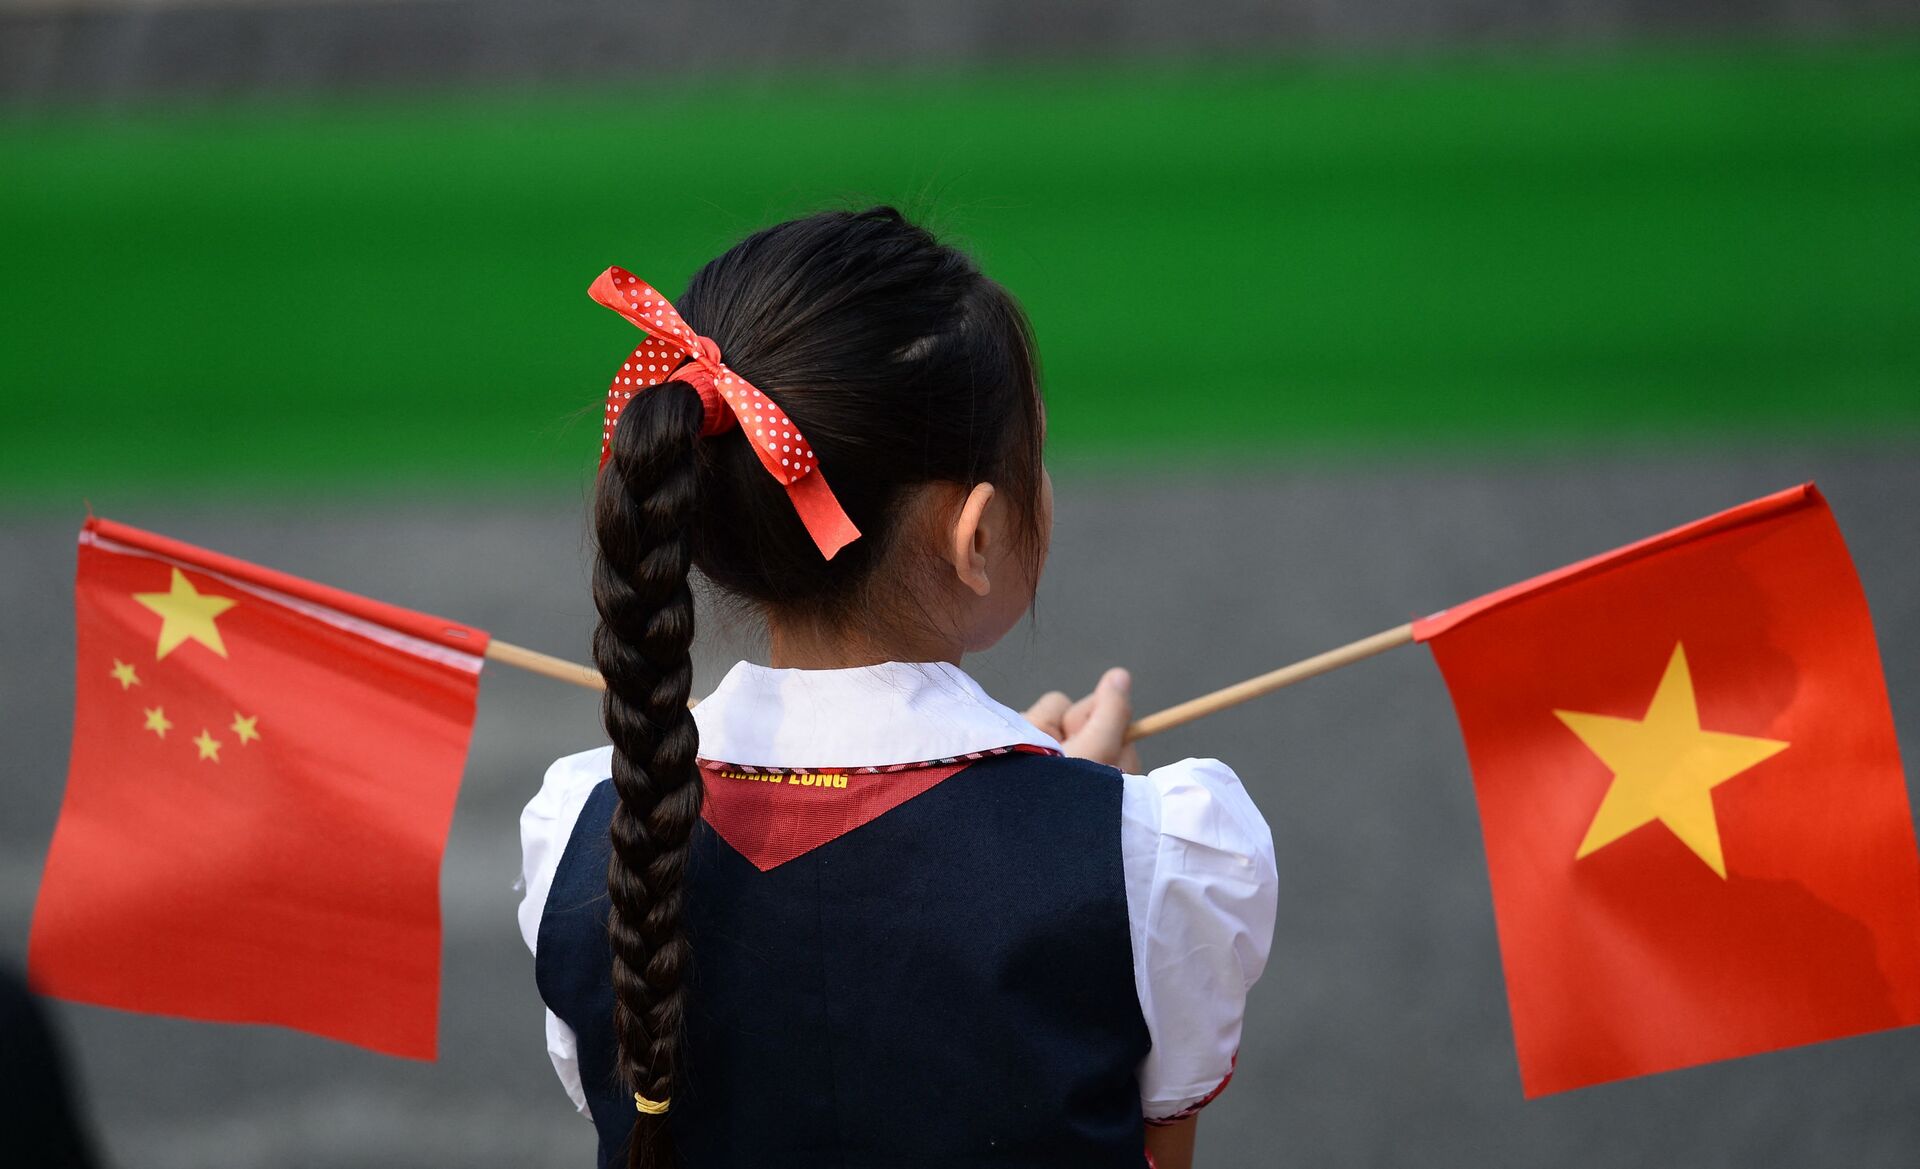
(1379, 1036)
(108, 52)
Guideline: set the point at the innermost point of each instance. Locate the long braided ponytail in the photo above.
(643, 518)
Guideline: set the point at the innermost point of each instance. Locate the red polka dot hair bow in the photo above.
(726, 398)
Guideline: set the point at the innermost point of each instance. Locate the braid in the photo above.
(643, 518)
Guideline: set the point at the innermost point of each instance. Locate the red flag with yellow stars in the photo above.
(1696, 824)
(262, 777)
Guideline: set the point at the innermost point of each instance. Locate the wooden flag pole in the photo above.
(508, 654)
(1234, 695)
(1163, 720)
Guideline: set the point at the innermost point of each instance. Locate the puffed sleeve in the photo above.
(546, 823)
(1202, 889)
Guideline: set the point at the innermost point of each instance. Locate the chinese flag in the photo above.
(1696, 825)
(262, 777)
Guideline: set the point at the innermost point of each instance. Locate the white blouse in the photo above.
(1197, 855)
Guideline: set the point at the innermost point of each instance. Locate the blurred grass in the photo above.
(1245, 260)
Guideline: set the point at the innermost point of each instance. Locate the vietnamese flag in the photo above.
(262, 777)
(1696, 825)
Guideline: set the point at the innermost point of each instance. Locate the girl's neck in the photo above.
(808, 647)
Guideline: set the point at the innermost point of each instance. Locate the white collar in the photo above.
(865, 716)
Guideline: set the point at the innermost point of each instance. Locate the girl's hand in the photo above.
(1094, 727)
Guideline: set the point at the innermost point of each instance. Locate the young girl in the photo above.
(849, 910)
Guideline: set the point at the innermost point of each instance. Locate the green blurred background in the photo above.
(1470, 248)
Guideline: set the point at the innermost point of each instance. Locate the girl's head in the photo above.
(913, 377)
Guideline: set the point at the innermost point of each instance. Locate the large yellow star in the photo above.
(1665, 767)
(186, 614)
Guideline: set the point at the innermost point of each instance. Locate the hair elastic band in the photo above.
(651, 1107)
(726, 399)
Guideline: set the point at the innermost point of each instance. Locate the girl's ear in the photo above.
(969, 541)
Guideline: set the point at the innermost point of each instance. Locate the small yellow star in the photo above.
(209, 746)
(123, 673)
(158, 722)
(243, 727)
(186, 614)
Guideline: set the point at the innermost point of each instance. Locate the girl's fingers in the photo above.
(1102, 725)
(1112, 709)
(1076, 715)
(1094, 727)
(1049, 712)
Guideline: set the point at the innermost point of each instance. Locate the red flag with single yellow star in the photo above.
(262, 777)
(1696, 824)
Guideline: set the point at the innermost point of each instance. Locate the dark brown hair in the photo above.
(903, 365)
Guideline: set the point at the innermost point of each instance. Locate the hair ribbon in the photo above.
(674, 352)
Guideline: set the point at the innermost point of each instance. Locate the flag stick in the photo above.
(509, 654)
(1153, 724)
(1267, 683)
